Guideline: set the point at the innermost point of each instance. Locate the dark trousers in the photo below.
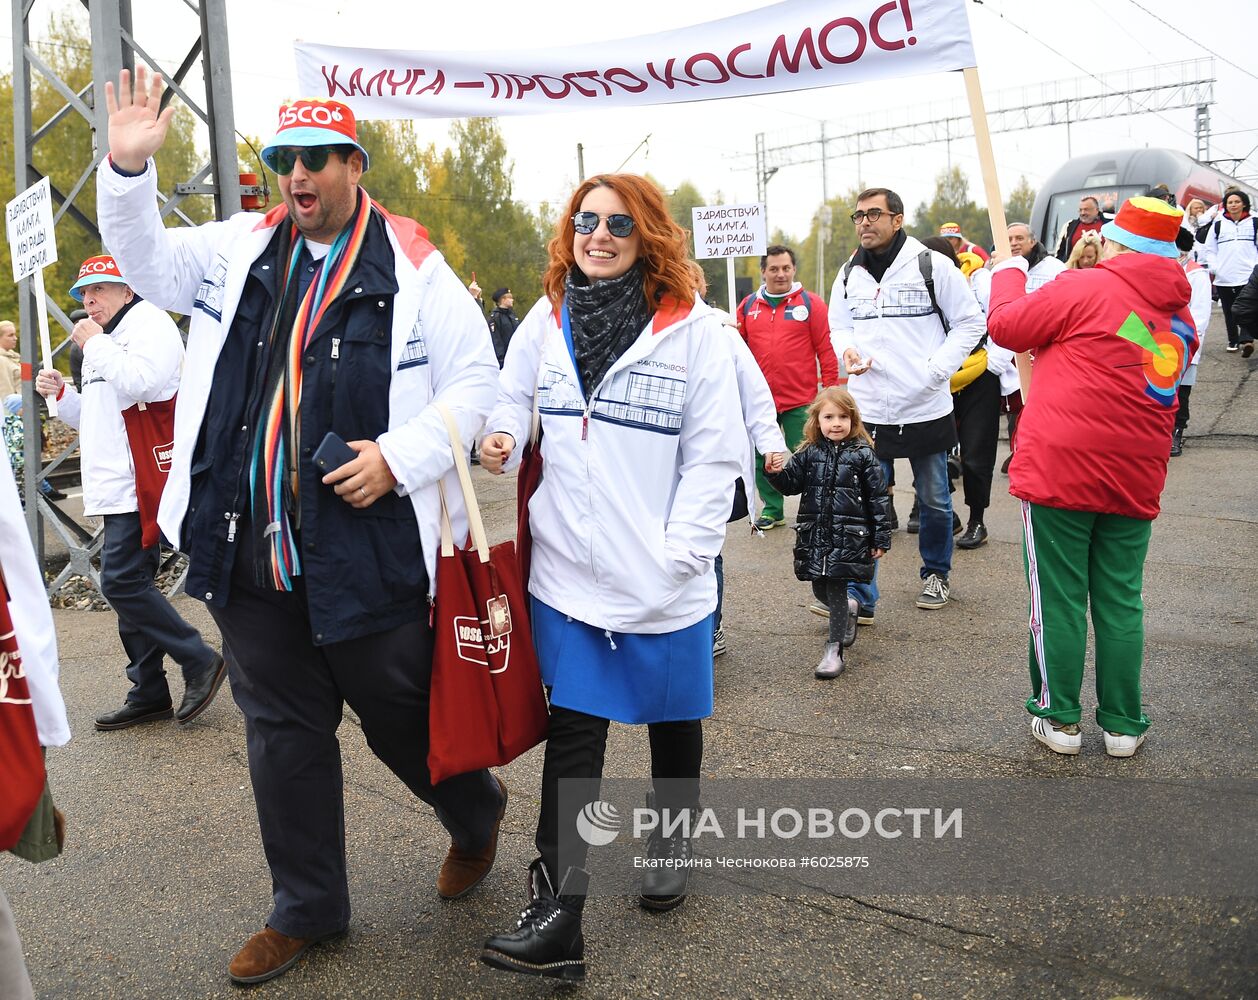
(833, 594)
(977, 409)
(292, 693)
(1236, 334)
(719, 568)
(1182, 414)
(575, 744)
(147, 624)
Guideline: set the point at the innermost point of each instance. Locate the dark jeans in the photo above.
(1236, 334)
(977, 409)
(292, 694)
(147, 624)
(934, 538)
(575, 745)
(833, 594)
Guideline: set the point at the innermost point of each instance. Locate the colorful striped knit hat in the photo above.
(1146, 225)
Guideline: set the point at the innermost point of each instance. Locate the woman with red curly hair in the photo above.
(642, 440)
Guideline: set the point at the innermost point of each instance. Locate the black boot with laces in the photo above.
(546, 939)
(667, 871)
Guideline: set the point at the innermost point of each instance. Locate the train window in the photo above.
(1101, 180)
(1065, 206)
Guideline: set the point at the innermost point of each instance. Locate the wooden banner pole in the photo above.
(991, 187)
(45, 346)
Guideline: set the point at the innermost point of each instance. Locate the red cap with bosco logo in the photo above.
(311, 122)
(101, 268)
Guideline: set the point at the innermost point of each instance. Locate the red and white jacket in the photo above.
(788, 341)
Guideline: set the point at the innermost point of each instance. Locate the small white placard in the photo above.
(729, 231)
(28, 222)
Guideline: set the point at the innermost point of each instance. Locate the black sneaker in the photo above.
(934, 593)
(975, 535)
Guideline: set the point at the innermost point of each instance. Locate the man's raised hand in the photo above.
(137, 126)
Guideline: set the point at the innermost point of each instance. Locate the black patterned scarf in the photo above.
(606, 317)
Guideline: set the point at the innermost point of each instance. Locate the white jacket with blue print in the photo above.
(637, 483)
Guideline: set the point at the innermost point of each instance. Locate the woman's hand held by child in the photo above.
(775, 461)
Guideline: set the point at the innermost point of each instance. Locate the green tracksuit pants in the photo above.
(792, 424)
(1075, 559)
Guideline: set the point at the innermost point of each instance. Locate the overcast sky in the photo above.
(712, 143)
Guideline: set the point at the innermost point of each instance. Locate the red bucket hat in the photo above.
(96, 269)
(311, 122)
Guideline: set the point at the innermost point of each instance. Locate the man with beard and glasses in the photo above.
(328, 315)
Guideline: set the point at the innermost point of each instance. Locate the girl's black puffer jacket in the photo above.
(842, 509)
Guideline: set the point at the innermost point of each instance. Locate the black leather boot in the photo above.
(1177, 442)
(667, 872)
(546, 939)
(915, 519)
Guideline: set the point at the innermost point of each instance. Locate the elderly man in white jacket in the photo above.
(903, 320)
(132, 355)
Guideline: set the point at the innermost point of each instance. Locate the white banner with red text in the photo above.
(795, 45)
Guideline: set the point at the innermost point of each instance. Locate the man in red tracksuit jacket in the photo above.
(788, 331)
(1111, 344)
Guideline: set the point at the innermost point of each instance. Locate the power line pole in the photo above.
(113, 48)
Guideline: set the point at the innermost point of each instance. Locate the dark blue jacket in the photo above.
(363, 570)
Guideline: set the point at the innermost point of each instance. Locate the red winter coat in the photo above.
(787, 343)
(1095, 434)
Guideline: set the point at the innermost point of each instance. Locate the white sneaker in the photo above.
(718, 643)
(1067, 739)
(817, 608)
(1121, 745)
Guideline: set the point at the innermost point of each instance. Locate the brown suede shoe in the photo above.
(462, 871)
(269, 954)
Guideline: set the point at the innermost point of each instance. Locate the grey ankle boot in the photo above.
(831, 664)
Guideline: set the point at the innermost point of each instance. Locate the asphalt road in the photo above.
(163, 877)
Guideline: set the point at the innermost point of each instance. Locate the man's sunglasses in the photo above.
(282, 159)
(618, 225)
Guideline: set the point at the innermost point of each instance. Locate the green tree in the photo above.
(952, 203)
(680, 204)
(839, 244)
(1021, 201)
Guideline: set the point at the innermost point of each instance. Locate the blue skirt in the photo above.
(625, 678)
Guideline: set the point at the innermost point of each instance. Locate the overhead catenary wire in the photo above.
(1083, 69)
(1184, 34)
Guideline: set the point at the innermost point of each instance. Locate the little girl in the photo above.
(843, 523)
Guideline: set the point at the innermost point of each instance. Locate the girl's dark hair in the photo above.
(944, 246)
(841, 400)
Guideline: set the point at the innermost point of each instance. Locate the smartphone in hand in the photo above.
(332, 453)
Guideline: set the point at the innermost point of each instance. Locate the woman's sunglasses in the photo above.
(282, 159)
(618, 225)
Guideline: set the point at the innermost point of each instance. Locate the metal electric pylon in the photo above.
(114, 46)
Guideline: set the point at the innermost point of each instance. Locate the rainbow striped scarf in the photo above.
(273, 479)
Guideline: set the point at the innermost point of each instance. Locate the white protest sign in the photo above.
(774, 49)
(28, 222)
(33, 246)
(728, 231)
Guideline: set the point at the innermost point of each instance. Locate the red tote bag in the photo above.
(486, 705)
(151, 434)
(21, 759)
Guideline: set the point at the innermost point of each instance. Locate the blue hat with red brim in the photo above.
(311, 122)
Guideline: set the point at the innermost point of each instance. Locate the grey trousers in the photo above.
(15, 983)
